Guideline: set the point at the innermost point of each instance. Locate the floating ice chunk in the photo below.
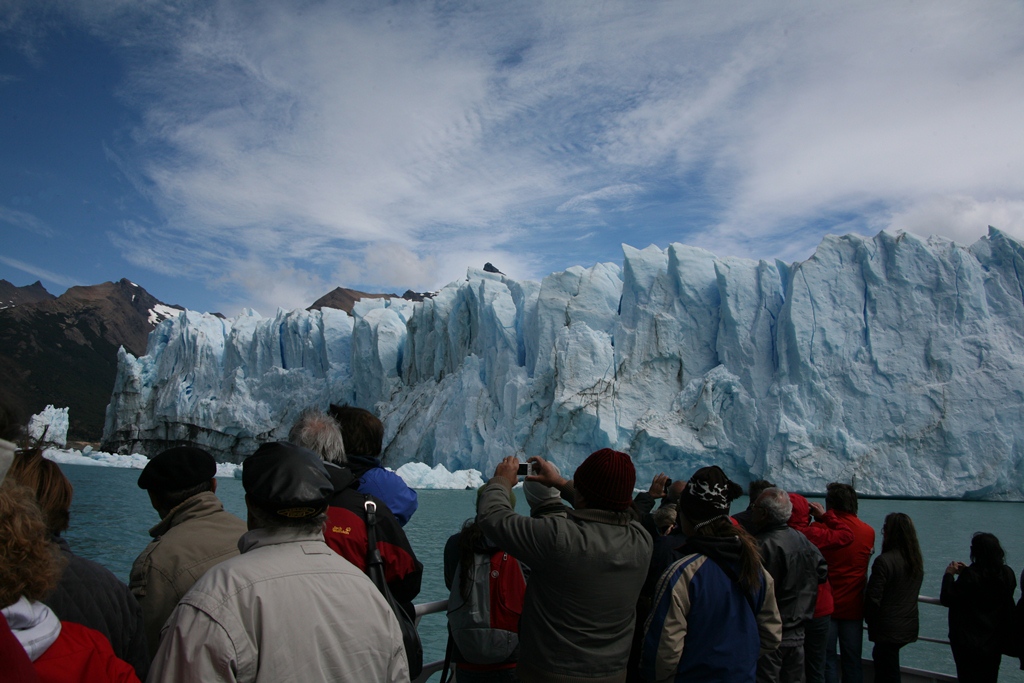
(420, 476)
(50, 426)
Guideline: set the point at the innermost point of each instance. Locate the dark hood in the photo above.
(341, 477)
(721, 549)
(359, 464)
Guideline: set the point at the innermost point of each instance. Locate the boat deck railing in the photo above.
(909, 674)
(423, 609)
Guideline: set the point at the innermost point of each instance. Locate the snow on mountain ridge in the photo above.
(892, 362)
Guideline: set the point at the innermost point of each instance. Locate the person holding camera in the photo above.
(979, 596)
(586, 568)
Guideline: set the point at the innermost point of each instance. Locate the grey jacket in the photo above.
(586, 571)
(193, 537)
(288, 609)
(797, 566)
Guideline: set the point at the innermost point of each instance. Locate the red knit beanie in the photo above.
(606, 479)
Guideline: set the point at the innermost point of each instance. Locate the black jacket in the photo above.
(90, 595)
(890, 601)
(978, 603)
(797, 567)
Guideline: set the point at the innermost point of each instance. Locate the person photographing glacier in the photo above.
(586, 568)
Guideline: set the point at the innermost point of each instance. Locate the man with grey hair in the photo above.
(345, 531)
(797, 567)
(287, 608)
(317, 431)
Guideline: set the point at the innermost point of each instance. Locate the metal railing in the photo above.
(423, 609)
(429, 669)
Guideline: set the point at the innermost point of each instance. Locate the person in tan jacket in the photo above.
(194, 534)
(288, 608)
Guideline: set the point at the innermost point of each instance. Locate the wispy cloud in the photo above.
(25, 221)
(41, 273)
(381, 144)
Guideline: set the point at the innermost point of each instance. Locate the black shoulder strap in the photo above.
(374, 561)
(447, 658)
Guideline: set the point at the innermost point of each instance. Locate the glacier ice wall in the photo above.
(892, 362)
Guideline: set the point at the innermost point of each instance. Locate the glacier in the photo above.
(892, 362)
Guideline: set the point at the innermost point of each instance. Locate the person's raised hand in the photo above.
(658, 484)
(545, 473)
(508, 469)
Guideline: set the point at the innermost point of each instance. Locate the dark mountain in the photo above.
(63, 350)
(343, 299)
(11, 295)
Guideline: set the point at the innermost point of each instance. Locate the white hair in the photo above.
(320, 433)
(776, 504)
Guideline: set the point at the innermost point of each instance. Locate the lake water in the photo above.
(111, 517)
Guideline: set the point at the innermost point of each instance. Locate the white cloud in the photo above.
(961, 218)
(25, 221)
(379, 145)
(41, 273)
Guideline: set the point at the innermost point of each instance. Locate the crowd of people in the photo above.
(595, 585)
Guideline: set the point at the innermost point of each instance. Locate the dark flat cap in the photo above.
(178, 469)
(286, 480)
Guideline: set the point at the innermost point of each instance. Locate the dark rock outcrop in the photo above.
(343, 299)
(63, 350)
(11, 295)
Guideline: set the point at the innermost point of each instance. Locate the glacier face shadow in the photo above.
(892, 362)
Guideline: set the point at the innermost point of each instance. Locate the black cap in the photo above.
(286, 480)
(178, 469)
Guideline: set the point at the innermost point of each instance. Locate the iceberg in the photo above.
(892, 362)
(50, 426)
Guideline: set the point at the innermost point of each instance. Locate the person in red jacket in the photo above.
(61, 651)
(828, 532)
(848, 574)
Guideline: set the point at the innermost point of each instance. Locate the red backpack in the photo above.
(485, 626)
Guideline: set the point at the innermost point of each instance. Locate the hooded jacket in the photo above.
(848, 567)
(386, 485)
(345, 533)
(64, 651)
(703, 625)
(830, 533)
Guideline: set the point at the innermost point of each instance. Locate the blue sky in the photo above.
(247, 153)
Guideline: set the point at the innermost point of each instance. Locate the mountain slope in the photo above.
(11, 295)
(63, 350)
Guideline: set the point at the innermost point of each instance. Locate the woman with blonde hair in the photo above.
(29, 569)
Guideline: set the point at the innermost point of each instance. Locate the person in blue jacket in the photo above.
(714, 610)
(363, 434)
